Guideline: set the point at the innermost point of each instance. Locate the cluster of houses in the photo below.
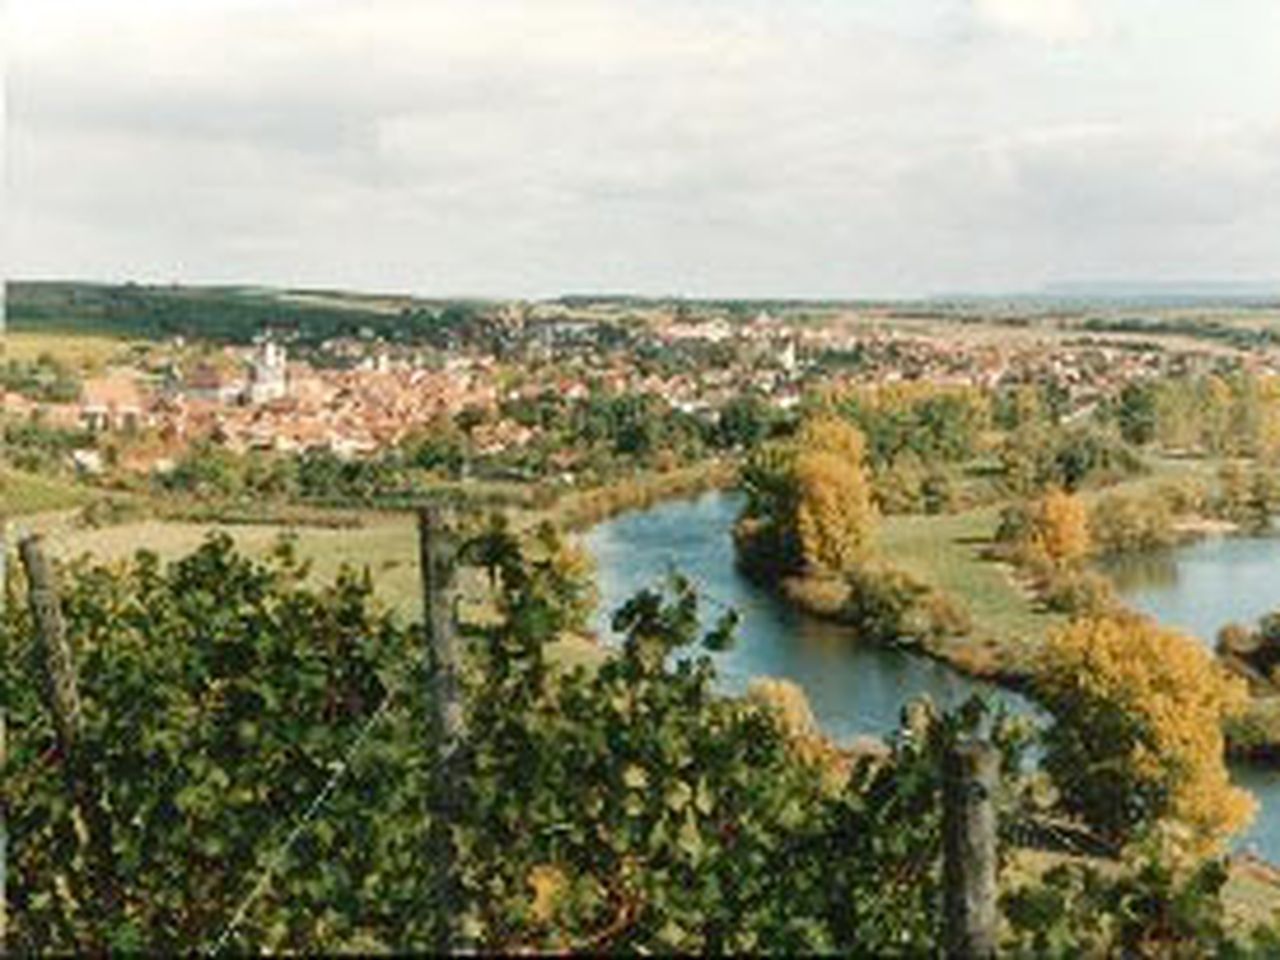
(260, 398)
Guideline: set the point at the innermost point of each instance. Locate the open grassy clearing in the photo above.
(23, 494)
(387, 547)
(78, 350)
(946, 551)
(385, 544)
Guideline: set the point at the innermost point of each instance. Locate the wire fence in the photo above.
(310, 813)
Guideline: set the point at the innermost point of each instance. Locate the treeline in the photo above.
(219, 314)
(39, 448)
(935, 449)
(43, 380)
(599, 441)
(1239, 336)
(1234, 414)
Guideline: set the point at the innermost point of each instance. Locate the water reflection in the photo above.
(1202, 587)
(1157, 570)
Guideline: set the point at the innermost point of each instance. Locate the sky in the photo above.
(813, 148)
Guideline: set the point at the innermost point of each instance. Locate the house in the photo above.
(112, 402)
(210, 383)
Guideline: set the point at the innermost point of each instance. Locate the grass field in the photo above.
(22, 494)
(386, 545)
(946, 552)
(75, 350)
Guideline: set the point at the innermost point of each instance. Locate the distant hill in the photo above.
(230, 314)
(1179, 288)
(1106, 294)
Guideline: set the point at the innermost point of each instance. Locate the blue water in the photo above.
(853, 688)
(857, 688)
(1199, 589)
(1202, 587)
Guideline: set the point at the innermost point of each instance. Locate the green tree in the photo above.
(1136, 413)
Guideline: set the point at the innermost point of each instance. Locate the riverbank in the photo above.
(1201, 586)
(961, 607)
(578, 510)
(854, 687)
(951, 554)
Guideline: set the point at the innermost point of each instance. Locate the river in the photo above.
(1199, 589)
(853, 688)
(861, 688)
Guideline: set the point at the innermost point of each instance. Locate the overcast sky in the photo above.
(695, 147)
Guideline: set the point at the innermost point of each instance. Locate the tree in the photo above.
(1137, 732)
(744, 422)
(1132, 522)
(808, 501)
(834, 512)
(1052, 531)
(1136, 413)
(207, 470)
(1060, 527)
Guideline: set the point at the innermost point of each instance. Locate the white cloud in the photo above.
(719, 147)
(1051, 20)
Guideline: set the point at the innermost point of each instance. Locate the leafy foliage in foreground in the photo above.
(1149, 910)
(217, 693)
(627, 809)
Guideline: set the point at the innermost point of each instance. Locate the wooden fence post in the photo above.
(438, 545)
(971, 772)
(438, 559)
(61, 695)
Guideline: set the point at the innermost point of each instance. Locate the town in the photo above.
(358, 395)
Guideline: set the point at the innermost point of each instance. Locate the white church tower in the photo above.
(268, 380)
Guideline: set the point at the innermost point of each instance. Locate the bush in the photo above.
(1079, 593)
(890, 606)
(1127, 523)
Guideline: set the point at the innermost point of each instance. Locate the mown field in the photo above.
(385, 545)
(946, 551)
(23, 494)
(77, 351)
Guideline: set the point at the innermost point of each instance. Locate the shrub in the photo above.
(1125, 523)
(891, 606)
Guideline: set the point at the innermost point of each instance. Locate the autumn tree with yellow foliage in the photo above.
(1137, 737)
(1060, 528)
(809, 501)
(1052, 530)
